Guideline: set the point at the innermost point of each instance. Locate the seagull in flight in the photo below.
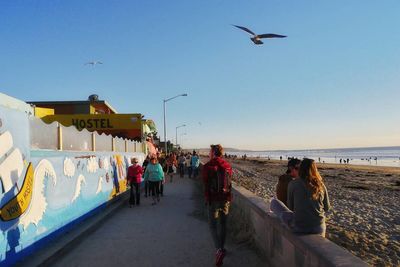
(256, 38)
(93, 63)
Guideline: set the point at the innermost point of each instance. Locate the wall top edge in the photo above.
(14, 103)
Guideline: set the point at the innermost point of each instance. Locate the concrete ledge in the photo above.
(278, 243)
(66, 241)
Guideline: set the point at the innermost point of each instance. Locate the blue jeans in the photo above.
(195, 171)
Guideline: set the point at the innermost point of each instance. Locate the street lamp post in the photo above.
(181, 141)
(176, 133)
(165, 120)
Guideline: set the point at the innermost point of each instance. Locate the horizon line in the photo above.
(336, 148)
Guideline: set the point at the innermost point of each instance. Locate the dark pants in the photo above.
(146, 188)
(133, 194)
(181, 169)
(155, 189)
(217, 216)
(161, 189)
(195, 171)
(190, 171)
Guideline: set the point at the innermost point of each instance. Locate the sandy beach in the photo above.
(365, 218)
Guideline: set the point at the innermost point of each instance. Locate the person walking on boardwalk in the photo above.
(181, 165)
(134, 176)
(307, 201)
(162, 161)
(187, 163)
(155, 175)
(292, 172)
(194, 164)
(146, 183)
(171, 166)
(217, 175)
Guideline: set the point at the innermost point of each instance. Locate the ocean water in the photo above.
(378, 156)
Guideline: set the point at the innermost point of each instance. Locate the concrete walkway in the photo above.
(172, 233)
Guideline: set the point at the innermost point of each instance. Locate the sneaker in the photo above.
(225, 252)
(219, 257)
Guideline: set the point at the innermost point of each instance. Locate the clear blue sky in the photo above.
(334, 82)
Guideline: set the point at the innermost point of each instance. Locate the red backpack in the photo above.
(220, 180)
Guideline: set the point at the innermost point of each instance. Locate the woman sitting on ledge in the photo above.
(307, 202)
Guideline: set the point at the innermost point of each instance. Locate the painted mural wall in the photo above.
(42, 191)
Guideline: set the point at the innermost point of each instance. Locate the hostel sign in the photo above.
(98, 122)
(92, 123)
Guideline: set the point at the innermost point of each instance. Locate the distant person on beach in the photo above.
(292, 172)
(307, 201)
(280, 157)
(194, 164)
(340, 161)
(155, 175)
(134, 178)
(217, 192)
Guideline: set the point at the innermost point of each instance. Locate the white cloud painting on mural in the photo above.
(99, 185)
(12, 166)
(92, 165)
(69, 167)
(79, 181)
(104, 163)
(38, 203)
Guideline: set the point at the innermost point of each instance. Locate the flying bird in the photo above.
(256, 38)
(93, 63)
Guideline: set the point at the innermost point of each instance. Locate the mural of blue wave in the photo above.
(64, 187)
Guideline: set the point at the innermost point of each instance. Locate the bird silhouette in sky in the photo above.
(93, 63)
(256, 38)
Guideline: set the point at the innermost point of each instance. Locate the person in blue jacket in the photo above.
(194, 164)
(154, 174)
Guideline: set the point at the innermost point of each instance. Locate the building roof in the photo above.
(80, 102)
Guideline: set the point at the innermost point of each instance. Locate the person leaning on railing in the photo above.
(307, 201)
(292, 172)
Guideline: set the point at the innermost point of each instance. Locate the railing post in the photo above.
(59, 137)
(126, 145)
(112, 144)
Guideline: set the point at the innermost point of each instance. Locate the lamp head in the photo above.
(184, 94)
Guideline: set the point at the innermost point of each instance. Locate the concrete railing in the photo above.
(281, 247)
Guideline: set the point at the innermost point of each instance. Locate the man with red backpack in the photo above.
(217, 175)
